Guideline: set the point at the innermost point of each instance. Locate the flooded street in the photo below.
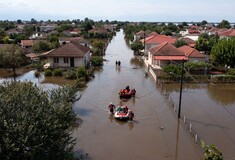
(154, 134)
(210, 108)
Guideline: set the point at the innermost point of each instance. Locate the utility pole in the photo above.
(181, 84)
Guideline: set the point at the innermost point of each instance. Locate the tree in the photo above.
(99, 45)
(38, 127)
(223, 53)
(136, 46)
(180, 43)
(204, 22)
(206, 42)
(41, 46)
(224, 24)
(13, 57)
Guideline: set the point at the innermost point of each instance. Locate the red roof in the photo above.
(165, 49)
(191, 52)
(27, 43)
(173, 58)
(158, 39)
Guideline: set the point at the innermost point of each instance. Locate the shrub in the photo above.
(81, 72)
(96, 61)
(231, 72)
(70, 74)
(48, 72)
(58, 72)
(37, 74)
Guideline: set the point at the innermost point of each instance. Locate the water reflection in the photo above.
(222, 93)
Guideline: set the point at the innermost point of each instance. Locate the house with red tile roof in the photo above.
(156, 39)
(192, 54)
(71, 54)
(26, 43)
(163, 54)
(189, 42)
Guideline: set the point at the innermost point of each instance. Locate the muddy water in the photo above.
(154, 133)
(210, 108)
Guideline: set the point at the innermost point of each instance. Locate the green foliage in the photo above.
(13, 57)
(224, 24)
(71, 74)
(204, 22)
(36, 124)
(57, 72)
(223, 53)
(180, 43)
(41, 46)
(29, 29)
(211, 152)
(206, 42)
(172, 69)
(37, 74)
(64, 27)
(99, 46)
(196, 65)
(231, 72)
(97, 61)
(136, 46)
(48, 72)
(81, 72)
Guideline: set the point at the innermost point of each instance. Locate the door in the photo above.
(71, 61)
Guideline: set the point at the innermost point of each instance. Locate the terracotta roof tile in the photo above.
(27, 43)
(191, 52)
(72, 49)
(166, 49)
(158, 39)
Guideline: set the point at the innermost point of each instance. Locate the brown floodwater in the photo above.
(154, 133)
(210, 108)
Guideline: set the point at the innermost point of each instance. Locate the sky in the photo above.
(121, 10)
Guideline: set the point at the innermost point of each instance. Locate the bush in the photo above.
(81, 72)
(97, 61)
(37, 74)
(48, 72)
(231, 72)
(172, 69)
(71, 74)
(58, 72)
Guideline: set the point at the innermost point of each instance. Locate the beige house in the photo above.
(69, 55)
(164, 54)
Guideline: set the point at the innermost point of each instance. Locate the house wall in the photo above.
(85, 61)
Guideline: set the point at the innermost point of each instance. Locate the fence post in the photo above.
(196, 138)
(190, 128)
(184, 120)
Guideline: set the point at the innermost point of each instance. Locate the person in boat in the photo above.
(111, 107)
(131, 115)
(125, 109)
(127, 88)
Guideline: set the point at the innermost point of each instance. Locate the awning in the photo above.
(169, 58)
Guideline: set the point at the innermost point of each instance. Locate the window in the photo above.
(66, 60)
(56, 59)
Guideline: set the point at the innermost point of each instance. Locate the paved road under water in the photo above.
(155, 132)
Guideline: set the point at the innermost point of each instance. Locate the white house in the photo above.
(69, 55)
